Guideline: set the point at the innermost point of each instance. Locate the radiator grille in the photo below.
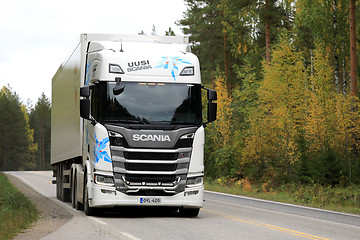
(150, 156)
(151, 166)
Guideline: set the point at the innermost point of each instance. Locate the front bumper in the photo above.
(107, 197)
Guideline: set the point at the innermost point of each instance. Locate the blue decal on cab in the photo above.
(171, 63)
(99, 152)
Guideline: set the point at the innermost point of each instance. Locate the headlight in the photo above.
(103, 179)
(185, 140)
(195, 181)
(116, 139)
(187, 136)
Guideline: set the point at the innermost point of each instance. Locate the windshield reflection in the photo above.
(150, 103)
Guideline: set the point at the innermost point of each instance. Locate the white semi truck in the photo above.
(126, 124)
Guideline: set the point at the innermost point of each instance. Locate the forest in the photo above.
(288, 102)
(25, 132)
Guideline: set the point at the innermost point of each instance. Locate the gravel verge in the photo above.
(52, 216)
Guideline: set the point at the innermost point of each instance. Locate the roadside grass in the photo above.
(16, 211)
(330, 198)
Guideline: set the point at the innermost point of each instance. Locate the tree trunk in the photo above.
(225, 56)
(353, 63)
(267, 32)
(336, 56)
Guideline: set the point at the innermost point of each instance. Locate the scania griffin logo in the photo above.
(150, 137)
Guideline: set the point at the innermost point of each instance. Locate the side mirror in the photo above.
(211, 95)
(212, 109)
(85, 108)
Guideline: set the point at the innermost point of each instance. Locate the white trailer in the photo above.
(126, 124)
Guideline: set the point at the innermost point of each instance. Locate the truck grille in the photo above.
(150, 156)
(150, 166)
(150, 178)
(146, 172)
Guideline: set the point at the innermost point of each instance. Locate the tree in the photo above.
(40, 122)
(16, 137)
(170, 32)
(277, 123)
(201, 18)
(326, 23)
(353, 49)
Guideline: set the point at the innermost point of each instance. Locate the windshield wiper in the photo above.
(173, 122)
(126, 121)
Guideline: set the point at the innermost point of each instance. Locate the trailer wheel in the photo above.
(189, 212)
(64, 192)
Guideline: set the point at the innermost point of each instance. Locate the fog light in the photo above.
(190, 193)
(105, 191)
(102, 179)
(195, 181)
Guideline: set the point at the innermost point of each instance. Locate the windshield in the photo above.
(148, 103)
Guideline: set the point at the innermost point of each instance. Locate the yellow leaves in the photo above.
(277, 122)
(241, 48)
(224, 111)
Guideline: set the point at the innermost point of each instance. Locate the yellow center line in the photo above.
(280, 229)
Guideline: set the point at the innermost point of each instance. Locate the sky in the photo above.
(37, 35)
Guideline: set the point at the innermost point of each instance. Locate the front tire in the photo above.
(89, 211)
(189, 212)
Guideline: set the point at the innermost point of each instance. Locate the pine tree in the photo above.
(16, 137)
(40, 122)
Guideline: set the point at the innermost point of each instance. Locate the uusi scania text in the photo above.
(128, 131)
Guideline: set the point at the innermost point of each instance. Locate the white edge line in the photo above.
(97, 220)
(285, 204)
(32, 186)
(130, 236)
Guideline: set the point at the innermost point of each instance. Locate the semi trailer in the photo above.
(127, 124)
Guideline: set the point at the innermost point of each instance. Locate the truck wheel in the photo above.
(189, 212)
(64, 192)
(77, 204)
(73, 191)
(89, 211)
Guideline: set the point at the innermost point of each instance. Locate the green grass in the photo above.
(330, 198)
(16, 211)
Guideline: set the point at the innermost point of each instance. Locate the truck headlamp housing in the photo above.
(187, 136)
(195, 181)
(114, 68)
(188, 71)
(116, 139)
(103, 179)
(185, 140)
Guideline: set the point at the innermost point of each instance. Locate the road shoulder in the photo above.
(52, 216)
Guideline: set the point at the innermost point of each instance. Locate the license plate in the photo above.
(150, 200)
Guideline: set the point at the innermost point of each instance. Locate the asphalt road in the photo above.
(223, 217)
